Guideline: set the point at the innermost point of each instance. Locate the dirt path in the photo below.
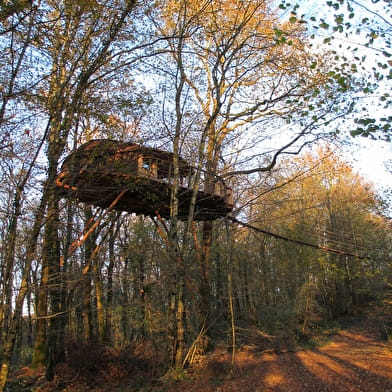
(355, 361)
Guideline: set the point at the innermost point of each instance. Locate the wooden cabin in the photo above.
(98, 171)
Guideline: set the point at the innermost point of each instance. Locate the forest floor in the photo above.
(352, 360)
(353, 356)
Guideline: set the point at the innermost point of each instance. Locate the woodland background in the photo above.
(254, 91)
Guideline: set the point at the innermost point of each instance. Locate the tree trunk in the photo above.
(90, 247)
(180, 315)
(39, 352)
(109, 294)
(51, 262)
(205, 270)
(99, 300)
(7, 268)
(24, 288)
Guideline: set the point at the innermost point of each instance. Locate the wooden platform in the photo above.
(100, 170)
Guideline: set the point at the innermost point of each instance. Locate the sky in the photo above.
(370, 158)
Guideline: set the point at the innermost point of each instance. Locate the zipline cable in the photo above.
(303, 243)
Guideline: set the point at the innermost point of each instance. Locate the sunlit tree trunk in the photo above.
(8, 344)
(176, 299)
(99, 301)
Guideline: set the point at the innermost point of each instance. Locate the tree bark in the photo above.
(24, 288)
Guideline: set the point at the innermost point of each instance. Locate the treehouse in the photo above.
(138, 179)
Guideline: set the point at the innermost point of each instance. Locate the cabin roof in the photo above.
(107, 148)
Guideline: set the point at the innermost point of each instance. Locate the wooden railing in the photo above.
(215, 186)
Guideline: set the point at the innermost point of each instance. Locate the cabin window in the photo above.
(148, 166)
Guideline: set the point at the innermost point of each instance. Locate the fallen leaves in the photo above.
(353, 362)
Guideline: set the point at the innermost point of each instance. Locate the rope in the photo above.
(303, 243)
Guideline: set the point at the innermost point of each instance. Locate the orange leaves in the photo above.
(319, 196)
(355, 362)
(220, 18)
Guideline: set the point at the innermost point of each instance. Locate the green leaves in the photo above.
(339, 19)
(281, 38)
(334, 5)
(370, 127)
(324, 25)
(343, 82)
(367, 30)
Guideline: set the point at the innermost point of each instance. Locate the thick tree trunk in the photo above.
(51, 262)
